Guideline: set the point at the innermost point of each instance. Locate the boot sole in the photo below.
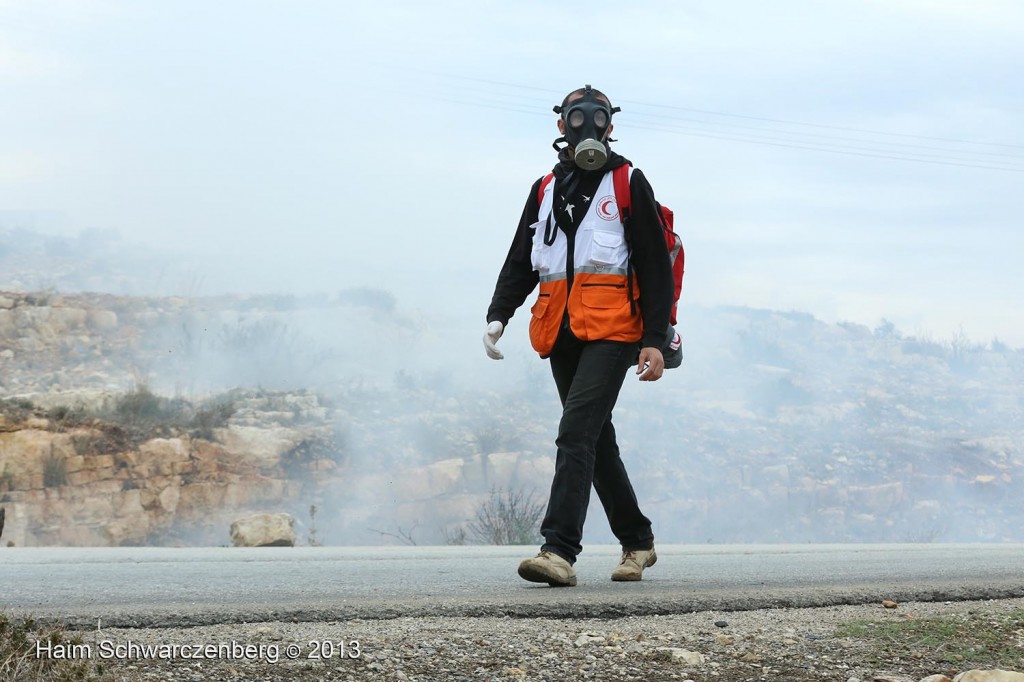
(630, 579)
(535, 575)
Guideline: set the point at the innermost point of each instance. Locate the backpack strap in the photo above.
(545, 181)
(550, 230)
(623, 197)
(624, 200)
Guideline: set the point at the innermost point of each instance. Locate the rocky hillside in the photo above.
(154, 420)
(138, 469)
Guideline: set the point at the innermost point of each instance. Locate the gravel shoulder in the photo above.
(769, 644)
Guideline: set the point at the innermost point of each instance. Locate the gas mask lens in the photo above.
(577, 118)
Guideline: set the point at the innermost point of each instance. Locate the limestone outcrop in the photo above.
(74, 480)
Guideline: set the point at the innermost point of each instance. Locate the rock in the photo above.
(158, 456)
(263, 446)
(725, 640)
(876, 498)
(890, 678)
(995, 675)
(721, 624)
(750, 657)
(102, 320)
(169, 498)
(936, 678)
(889, 604)
(265, 632)
(677, 655)
(62, 320)
(264, 530)
(589, 638)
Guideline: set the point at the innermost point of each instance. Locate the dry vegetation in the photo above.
(795, 645)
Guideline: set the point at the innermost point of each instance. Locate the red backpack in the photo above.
(623, 197)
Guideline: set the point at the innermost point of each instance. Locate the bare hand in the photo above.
(651, 364)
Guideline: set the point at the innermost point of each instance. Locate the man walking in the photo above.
(606, 291)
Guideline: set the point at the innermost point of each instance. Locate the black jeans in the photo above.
(589, 376)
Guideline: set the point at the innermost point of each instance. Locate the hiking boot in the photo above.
(633, 563)
(548, 567)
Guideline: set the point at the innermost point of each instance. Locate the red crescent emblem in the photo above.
(607, 209)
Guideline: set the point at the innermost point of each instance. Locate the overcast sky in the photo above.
(855, 160)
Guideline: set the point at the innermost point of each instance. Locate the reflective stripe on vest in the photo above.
(598, 304)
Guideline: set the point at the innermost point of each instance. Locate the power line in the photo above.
(840, 150)
(745, 116)
(773, 135)
(832, 137)
(773, 142)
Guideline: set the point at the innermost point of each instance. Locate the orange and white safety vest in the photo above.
(598, 304)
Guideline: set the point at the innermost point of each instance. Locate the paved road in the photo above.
(174, 587)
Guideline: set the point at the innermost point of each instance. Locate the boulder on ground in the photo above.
(989, 676)
(264, 530)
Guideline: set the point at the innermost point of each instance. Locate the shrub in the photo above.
(16, 409)
(18, 659)
(210, 416)
(6, 479)
(55, 470)
(140, 405)
(139, 414)
(507, 518)
(455, 537)
(65, 416)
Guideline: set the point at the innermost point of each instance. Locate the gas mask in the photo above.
(587, 120)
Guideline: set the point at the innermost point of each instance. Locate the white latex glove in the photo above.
(491, 336)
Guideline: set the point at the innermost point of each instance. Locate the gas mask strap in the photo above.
(550, 229)
(572, 181)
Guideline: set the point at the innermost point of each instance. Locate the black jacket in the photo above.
(648, 252)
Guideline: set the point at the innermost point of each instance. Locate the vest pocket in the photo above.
(540, 306)
(544, 324)
(601, 295)
(605, 312)
(606, 248)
